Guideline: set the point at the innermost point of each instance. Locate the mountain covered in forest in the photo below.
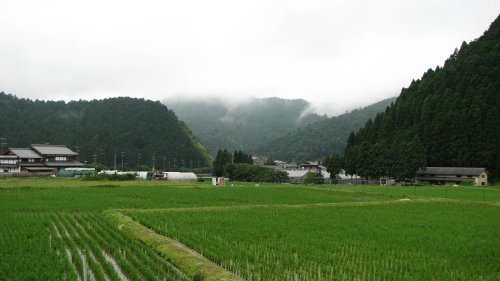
(244, 126)
(138, 129)
(449, 117)
(319, 139)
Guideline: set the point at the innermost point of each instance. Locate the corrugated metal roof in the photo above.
(8, 157)
(40, 169)
(8, 166)
(31, 164)
(450, 171)
(63, 164)
(25, 153)
(47, 149)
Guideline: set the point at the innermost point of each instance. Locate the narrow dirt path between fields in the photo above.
(279, 206)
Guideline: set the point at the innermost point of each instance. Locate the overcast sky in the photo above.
(337, 54)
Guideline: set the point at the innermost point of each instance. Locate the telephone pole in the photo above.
(138, 160)
(122, 159)
(3, 141)
(153, 158)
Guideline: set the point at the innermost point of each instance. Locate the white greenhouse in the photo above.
(178, 176)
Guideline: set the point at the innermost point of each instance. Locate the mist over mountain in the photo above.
(242, 126)
(319, 139)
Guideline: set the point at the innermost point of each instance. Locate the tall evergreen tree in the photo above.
(222, 159)
(449, 117)
(334, 165)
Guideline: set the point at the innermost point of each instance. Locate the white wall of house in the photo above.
(10, 170)
(482, 179)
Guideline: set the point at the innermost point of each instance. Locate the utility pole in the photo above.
(3, 141)
(164, 158)
(101, 153)
(153, 160)
(122, 159)
(115, 160)
(77, 150)
(138, 160)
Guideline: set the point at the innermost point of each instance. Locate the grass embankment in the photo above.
(185, 259)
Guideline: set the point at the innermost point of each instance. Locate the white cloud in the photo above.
(336, 54)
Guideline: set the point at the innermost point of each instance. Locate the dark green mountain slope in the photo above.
(450, 117)
(322, 138)
(242, 127)
(136, 127)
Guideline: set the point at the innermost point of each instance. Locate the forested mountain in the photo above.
(98, 128)
(322, 138)
(245, 126)
(449, 117)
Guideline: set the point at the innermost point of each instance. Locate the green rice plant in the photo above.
(401, 241)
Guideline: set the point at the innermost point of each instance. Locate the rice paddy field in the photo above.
(142, 230)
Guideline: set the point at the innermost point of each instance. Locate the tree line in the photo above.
(139, 132)
(239, 166)
(449, 118)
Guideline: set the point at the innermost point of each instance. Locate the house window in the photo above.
(482, 183)
(482, 176)
(31, 160)
(5, 170)
(60, 158)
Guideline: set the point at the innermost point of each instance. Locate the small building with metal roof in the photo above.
(452, 175)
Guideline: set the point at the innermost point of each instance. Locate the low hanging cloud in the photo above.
(336, 54)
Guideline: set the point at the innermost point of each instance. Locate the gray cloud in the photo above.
(336, 54)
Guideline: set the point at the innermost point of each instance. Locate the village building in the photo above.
(452, 175)
(312, 166)
(298, 174)
(38, 159)
(9, 164)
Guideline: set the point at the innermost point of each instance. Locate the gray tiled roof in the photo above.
(450, 171)
(47, 149)
(25, 153)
